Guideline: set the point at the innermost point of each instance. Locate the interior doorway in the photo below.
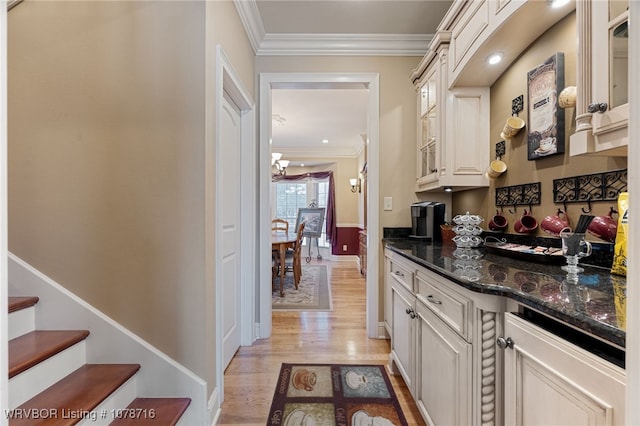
(269, 82)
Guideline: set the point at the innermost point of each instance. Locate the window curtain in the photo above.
(330, 217)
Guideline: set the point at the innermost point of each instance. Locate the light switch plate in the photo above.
(388, 203)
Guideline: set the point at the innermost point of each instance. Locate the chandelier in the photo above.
(278, 166)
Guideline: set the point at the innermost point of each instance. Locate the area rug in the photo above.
(334, 394)
(313, 293)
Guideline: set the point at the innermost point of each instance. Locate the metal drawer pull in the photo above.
(411, 312)
(398, 273)
(431, 299)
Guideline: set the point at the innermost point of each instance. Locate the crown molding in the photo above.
(252, 22)
(326, 44)
(344, 44)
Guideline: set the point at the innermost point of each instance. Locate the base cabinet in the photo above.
(443, 376)
(403, 329)
(550, 381)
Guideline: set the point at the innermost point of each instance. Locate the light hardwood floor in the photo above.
(337, 337)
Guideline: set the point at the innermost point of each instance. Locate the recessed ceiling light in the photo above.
(325, 140)
(558, 3)
(495, 58)
(301, 164)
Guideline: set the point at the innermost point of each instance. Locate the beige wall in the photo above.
(107, 137)
(397, 119)
(513, 82)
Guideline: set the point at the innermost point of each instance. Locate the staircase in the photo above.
(50, 382)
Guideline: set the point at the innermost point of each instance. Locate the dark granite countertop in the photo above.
(596, 304)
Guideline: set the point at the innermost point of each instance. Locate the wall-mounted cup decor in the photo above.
(546, 119)
(496, 168)
(512, 126)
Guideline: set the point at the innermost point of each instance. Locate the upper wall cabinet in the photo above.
(602, 108)
(453, 126)
(481, 28)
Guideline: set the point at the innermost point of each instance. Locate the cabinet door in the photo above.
(427, 167)
(402, 332)
(443, 372)
(550, 381)
(610, 43)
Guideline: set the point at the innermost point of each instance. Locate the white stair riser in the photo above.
(22, 322)
(29, 383)
(104, 413)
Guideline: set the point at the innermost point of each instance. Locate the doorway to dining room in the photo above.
(270, 82)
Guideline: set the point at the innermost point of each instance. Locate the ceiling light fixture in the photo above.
(495, 58)
(448, 189)
(278, 166)
(325, 140)
(558, 3)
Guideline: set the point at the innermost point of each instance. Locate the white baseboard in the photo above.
(109, 342)
(382, 331)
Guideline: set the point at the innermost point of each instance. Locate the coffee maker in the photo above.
(426, 218)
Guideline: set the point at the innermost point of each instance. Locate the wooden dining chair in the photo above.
(279, 225)
(293, 257)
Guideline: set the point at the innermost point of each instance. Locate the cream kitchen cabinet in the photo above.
(452, 126)
(402, 357)
(602, 107)
(443, 388)
(398, 272)
(551, 381)
(443, 344)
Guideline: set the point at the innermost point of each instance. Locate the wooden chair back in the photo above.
(280, 225)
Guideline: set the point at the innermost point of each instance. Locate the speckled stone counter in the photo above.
(596, 304)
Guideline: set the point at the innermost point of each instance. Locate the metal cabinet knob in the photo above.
(505, 343)
(597, 107)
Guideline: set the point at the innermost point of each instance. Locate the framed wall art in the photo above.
(313, 219)
(546, 120)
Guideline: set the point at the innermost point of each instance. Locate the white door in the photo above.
(230, 176)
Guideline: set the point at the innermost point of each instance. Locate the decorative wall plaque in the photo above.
(546, 119)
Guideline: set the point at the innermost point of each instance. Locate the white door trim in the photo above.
(4, 316)
(273, 80)
(228, 80)
(633, 249)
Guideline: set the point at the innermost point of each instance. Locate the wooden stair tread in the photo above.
(79, 392)
(34, 347)
(153, 411)
(18, 303)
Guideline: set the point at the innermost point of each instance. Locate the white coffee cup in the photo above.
(496, 168)
(512, 127)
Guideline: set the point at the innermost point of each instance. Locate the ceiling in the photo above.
(303, 118)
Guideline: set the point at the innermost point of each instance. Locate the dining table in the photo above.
(280, 241)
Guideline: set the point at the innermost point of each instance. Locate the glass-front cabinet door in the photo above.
(428, 132)
(610, 100)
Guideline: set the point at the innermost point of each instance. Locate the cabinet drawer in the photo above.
(402, 274)
(452, 307)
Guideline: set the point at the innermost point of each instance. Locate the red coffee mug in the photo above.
(555, 224)
(498, 222)
(604, 227)
(526, 224)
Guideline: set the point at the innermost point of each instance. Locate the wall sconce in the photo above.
(355, 185)
(278, 166)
